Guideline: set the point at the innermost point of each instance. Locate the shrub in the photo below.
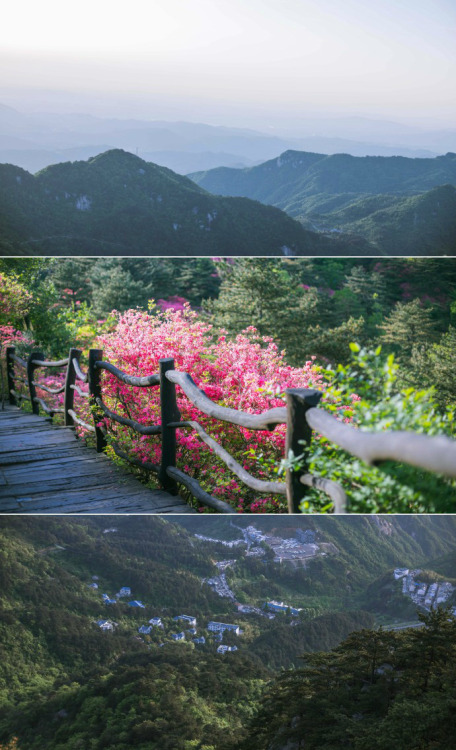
(379, 405)
(247, 373)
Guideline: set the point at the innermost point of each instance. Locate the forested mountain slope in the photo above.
(397, 204)
(118, 204)
(67, 683)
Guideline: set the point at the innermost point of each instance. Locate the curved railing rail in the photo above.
(301, 416)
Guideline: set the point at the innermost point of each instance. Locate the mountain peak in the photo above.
(116, 155)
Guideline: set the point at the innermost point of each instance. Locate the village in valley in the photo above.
(298, 549)
(301, 548)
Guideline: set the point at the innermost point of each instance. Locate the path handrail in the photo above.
(268, 420)
(301, 415)
(435, 453)
(142, 382)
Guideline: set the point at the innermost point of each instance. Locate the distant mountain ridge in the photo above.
(34, 141)
(118, 204)
(323, 192)
(295, 175)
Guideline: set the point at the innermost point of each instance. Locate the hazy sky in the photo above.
(237, 59)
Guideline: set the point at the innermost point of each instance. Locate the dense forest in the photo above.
(376, 690)
(376, 337)
(312, 307)
(64, 682)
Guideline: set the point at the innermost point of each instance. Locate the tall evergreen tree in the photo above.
(408, 324)
(435, 365)
(261, 292)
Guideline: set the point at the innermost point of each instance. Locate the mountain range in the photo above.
(298, 204)
(398, 205)
(34, 141)
(118, 204)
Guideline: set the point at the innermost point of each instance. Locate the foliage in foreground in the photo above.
(377, 690)
(250, 374)
(379, 404)
(247, 373)
(246, 370)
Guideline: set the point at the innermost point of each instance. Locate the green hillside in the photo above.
(298, 174)
(396, 204)
(118, 204)
(65, 683)
(422, 224)
(375, 691)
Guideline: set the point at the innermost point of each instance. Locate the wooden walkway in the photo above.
(45, 469)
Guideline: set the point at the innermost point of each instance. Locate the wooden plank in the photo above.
(79, 501)
(109, 508)
(105, 491)
(46, 469)
(31, 441)
(53, 484)
(8, 428)
(54, 480)
(27, 418)
(10, 505)
(21, 457)
(77, 461)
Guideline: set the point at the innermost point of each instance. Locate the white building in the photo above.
(124, 591)
(220, 627)
(187, 618)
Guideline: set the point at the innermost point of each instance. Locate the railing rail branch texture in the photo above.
(301, 415)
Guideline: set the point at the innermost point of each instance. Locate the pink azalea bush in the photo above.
(247, 373)
(172, 303)
(15, 301)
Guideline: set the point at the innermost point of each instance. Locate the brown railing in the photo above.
(301, 416)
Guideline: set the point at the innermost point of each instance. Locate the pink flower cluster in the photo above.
(172, 303)
(248, 373)
(9, 336)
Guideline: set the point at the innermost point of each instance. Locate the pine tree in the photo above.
(260, 292)
(408, 324)
(435, 365)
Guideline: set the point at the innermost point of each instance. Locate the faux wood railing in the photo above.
(301, 416)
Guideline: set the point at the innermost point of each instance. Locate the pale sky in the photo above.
(283, 57)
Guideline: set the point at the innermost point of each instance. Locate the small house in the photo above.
(220, 627)
(223, 649)
(187, 618)
(105, 625)
(124, 591)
